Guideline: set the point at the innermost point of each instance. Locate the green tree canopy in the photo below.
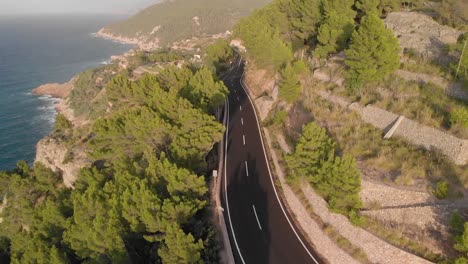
(313, 147)
(219, 54)
(373, 53)
(337, 179)
(368, 6)
(263, 42)
(180, 248)
(303, 17)
(336, 28)
(290, 87)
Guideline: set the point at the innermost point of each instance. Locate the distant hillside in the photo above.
(174, 20)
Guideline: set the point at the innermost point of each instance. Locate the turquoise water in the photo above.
(34, 51)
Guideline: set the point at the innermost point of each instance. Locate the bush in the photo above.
(280, 117)
(442, 190)
(456, 223)
(462, 240)
(62, 123)
(459, 117)
(356, 219)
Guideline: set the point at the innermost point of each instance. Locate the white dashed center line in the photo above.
(256, 216)
(246, 169)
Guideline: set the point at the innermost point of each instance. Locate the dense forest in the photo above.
(145, 198)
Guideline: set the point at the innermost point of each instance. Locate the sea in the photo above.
(35, 50)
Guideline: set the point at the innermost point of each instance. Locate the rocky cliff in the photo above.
(55, 154)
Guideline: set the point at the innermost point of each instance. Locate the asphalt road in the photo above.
(260, 229)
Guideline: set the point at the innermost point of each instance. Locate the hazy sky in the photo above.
(72, 6)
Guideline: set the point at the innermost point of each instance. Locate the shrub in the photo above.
(356, 219)
(280, 117)
(456, 223)
(462, 240)
(459, 116)
(62, 123)
(442, 190)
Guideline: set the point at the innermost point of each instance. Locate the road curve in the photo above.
(260, 229)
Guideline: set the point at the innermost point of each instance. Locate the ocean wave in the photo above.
(106, 62)
(46, 107)
(49, 98)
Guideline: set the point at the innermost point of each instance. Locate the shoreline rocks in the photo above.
(56, 90)
(141, 42)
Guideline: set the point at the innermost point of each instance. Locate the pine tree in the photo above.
(205, 92)
(337, 27)
(313, 147)
(290, 88)
(373, 53)
(368, 6)
(340, 183)
(57, 257)
(180, 248)
(264, 42)
(303, 16)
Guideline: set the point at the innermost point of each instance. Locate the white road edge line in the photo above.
(246, 169)
(271, 178)
(243, 138)
(256, 216)
(225, 187)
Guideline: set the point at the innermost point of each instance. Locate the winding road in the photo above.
(260, 229)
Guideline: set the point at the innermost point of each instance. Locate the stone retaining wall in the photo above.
(454, 148)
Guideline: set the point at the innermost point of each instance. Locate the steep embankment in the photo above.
(171, 21)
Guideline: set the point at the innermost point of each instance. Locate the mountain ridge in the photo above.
(170, 21)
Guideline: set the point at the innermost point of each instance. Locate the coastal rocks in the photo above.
(143, 42)
(55, 90)
(55, 155)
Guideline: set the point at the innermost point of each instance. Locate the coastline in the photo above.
(54, 90)
(141, 42)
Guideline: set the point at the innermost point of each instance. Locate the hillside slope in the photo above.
(174, 20)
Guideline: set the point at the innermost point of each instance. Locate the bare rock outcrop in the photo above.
(263, 89)
(421, 33)
(57, 90)
(55, 155)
